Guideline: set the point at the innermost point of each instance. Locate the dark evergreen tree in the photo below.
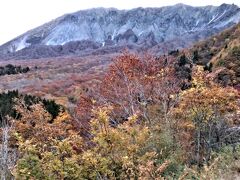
(195, 56)
(183, 60)
(10, 69)
(7, 103)
(208, 67)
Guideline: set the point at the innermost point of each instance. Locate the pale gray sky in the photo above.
(19, 16)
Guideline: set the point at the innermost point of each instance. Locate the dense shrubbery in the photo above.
(138, 123)
(187, 128)
(11, 69)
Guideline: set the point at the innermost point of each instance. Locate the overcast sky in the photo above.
(19, 16)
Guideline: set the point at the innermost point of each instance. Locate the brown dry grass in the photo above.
(56, 78)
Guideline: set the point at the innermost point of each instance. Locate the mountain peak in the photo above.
(181, 5)
(227, 5)
(113, 27)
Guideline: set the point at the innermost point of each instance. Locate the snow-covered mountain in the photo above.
(179, 25)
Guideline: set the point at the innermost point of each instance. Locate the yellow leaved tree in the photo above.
(205, 112)
(121, 151)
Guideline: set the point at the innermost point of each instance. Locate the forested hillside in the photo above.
(137, 123)
(222, 54)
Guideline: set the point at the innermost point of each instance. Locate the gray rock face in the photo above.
(139, 27)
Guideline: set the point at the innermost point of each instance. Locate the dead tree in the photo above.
(7, 155)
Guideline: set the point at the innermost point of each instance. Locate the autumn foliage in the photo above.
(133, 84)
(136, 123)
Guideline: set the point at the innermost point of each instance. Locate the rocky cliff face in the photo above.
(173, 27)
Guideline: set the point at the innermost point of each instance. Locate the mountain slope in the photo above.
(222, 54)
(178, 25)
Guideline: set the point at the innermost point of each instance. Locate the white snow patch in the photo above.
(113, 35)
(22, 44)
(220, 16)
(197, 22)
(140, 33)
(216, 17)
(213, 19)
(235, 19)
